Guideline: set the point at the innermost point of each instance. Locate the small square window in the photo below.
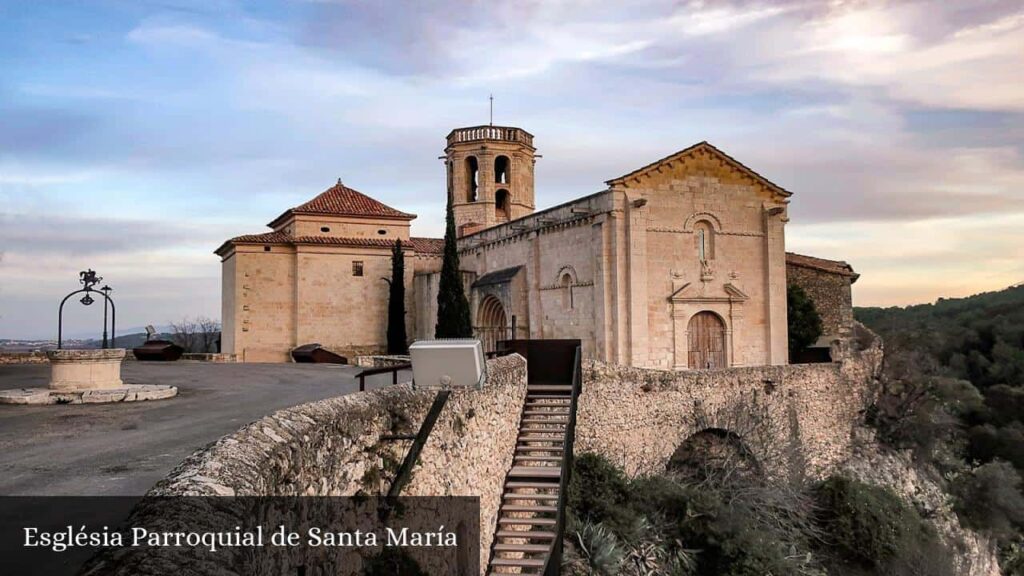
(357, 268)
(266, 248)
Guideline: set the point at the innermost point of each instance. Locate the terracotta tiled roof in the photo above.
(705, 146)
(419, 245)
(340, 200)
(831, 266)
(427, 245)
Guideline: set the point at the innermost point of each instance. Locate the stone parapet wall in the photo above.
(217, 358)
(333, 447)
(7, 358)
(638, 417)
(380, 361)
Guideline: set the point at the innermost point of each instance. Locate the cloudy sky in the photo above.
(136, 136)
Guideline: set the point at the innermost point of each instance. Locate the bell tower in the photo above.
(490, 175)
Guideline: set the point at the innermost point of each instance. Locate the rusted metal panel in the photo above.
(158, 351)
(317, 354)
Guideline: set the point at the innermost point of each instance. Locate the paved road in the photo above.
(123, 449)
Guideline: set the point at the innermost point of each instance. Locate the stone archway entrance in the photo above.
(707, 341)
(491, 323)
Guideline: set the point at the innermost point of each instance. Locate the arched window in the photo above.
(502, 174)
(472, 177)
(705, 238)
(567, 300)
(501, 204)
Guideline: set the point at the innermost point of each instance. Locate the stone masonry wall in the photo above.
(333, 448)
(638, 417)
(831, 294)
(22, 358)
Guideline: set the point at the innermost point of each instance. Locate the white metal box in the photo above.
(448, 363)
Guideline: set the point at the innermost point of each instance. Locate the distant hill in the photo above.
(979, 338)
(128, 341)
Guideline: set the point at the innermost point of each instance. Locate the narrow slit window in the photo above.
(357, 268)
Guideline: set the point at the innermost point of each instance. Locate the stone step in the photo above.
(537, 485)
(525, 534)
(524, 548)
(527, 521)
(536, 430)
(554, 472)
(521, 496)
(533, 389)
(529, 508)
(526, 562)
(533, 420)
(539, 449)
(538, 458)
(535, 438)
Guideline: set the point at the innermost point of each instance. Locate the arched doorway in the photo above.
(491, 323)
(707, 341)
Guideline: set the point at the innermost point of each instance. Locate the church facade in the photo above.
(680, 264)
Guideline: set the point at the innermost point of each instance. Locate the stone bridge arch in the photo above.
(713, 452)
(783, 418)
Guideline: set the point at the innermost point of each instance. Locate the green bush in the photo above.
(989, 499)
(598, 492)
(871, 527)
(392, 562)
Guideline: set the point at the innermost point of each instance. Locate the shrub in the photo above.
(598, 492)
(871, 527)
(989, 499)
(598, 548)
(392, 562)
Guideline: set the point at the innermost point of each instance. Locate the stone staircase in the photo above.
(528, 529)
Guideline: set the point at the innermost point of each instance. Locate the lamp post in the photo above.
(106, 292)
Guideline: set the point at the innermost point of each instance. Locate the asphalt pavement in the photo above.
(123, 449)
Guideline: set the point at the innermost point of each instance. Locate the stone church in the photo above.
(679, 264)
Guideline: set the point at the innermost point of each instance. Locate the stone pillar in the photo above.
(636, 273)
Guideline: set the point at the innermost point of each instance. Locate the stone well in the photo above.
(85, 369)
(86, 377)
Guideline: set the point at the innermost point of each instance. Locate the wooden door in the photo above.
(707, 341)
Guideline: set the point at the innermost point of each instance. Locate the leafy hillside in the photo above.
(953, 391)
(979, 338)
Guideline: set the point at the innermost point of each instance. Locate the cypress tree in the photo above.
(452, 307)
(397, 339)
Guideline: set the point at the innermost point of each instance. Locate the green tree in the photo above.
(452, 306)
(397, 338)
(804, 322)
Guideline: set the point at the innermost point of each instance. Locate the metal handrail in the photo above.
(394, 370)
(553, 566)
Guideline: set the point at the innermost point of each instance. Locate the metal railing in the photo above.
(553, 566)
(394, 370)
